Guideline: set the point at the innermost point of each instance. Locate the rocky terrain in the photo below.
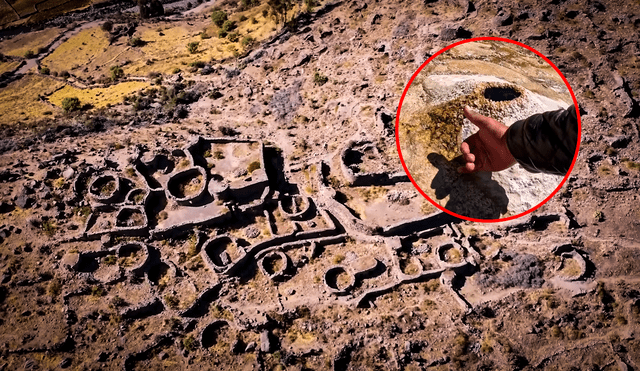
(230, 196)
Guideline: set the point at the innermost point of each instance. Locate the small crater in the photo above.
(501, 94)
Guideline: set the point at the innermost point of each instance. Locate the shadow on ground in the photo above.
(471, 195)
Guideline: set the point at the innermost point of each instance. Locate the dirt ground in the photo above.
(240, 204)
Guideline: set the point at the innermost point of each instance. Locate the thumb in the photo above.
(477, 119)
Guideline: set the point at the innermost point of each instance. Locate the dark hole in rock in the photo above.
(501, 94)
(157, 272)
(353, 157)
(211, 333)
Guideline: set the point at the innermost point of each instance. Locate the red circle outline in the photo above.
(575, 156)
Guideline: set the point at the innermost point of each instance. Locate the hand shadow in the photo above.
(472, 195)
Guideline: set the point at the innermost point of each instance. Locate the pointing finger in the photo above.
(476, 118)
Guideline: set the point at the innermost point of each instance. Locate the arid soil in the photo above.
(242, 205)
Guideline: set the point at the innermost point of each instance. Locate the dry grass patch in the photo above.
(168, 48)
(79, 50)
(19, 100)
(20, 44)
(8, 66)
(98, 97)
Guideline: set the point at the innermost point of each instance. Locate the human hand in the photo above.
(487, 149)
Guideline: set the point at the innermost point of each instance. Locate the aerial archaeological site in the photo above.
(218, 185)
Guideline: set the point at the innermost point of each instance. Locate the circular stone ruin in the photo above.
(451, 255)
(338, 280)
(105, 188)
(187, 186)
(294, 207)
(160, 273)
(411, 266)
(136, 196)
(131, 217)
(274, 265)
(220, 252)
(132, 256)
(212, 332)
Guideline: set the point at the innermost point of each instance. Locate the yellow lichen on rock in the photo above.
(20, 101)
(98, 97)
(79, 50)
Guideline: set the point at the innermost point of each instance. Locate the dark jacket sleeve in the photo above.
(545, 142)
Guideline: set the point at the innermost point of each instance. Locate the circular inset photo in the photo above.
(509, 150)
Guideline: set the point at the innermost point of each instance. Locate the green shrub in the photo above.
(218, 17)
(70, 104)
(233, 37)
(319, 78)
(243, 18)
(171, 301)
(45, 70)
(229, 26)
(204, 35)
(197, 64)
(193, 47)
(107, 26)
(247, 41)
(309, 5)
(222, 33)
(29, 54)
(136, 41)
(116, 72)
(189, 343)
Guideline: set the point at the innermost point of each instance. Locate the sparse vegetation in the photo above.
(598, 216)
(189, 343)
(110, 260)
(247, 41)
(49, 227)
(319, 79)
(116, 73)
(136, 42)
(55, 288)
(97, 291)
(218, 17)
(172, 301)
(71, 104)
(255, 165)
(192, 47)
(107, 26)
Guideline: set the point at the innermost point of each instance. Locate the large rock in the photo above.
(450, 33)
(265, 342)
